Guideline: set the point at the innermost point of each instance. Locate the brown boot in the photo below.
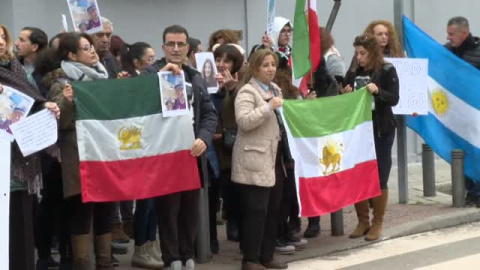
(103, 251)
(379, 207)
(252, 266)
(118, 236)
(363, 225)
(80, 250)
(274, 264)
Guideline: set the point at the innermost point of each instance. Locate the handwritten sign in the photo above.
(4, 201)
(413, 75)
(35, 132)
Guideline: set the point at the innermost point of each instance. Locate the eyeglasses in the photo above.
(87, 48)
(172, 44)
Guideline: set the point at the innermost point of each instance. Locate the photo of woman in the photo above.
(208, 73)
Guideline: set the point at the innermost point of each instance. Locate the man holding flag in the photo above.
(467, 47)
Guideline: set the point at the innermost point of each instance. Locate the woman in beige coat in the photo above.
(257, 163)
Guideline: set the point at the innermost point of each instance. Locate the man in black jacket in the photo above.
(464, 45)
(178, 213)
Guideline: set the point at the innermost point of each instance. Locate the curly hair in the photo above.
(227, 35)
(394, 47)
(373, 48)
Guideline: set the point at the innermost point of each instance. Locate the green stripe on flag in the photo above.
(301, 42)
(117, 98)
(329, 115)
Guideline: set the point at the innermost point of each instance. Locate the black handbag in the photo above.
(229, 137)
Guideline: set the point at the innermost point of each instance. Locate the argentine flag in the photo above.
(453, 120)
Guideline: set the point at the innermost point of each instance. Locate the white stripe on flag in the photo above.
(459, 116)
(99, 139)
(358, 147)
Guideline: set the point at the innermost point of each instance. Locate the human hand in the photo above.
(346, 89)
(198, 148)
(311, 95)
(372, 88)
(53, 107)
(68, 92)
(173, 68)
(230, 81)
(123, 74)
(267, 41)
(275, 103)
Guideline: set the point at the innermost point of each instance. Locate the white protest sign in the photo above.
(35, 132)
(64, 22)
(5, 158)
(413, 78)
(270, 16)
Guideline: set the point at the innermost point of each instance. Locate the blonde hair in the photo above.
(255, 62)
(9, 45)
(394, 46)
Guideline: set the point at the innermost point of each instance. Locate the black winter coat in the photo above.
(387, 96)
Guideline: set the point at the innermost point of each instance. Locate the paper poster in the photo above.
(4, 201)
(270, 16)
(173, 94)
(64, 23)
(413, 78)
(85, 16)
(14, 106)
(206, 65)
(35, 132)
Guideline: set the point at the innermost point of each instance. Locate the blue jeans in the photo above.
(145, 222)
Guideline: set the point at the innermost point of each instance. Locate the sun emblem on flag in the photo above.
(331, 158)
(130, 137)
(439, 101)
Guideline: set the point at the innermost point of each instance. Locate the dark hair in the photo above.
(46, 61)
(130, 53)
(232, 54)
(192, 46)
(70, 43)
(174, 29)
(459, 21)
(373, 48)
(37, 36)
(327, 40)
(228, 36)
(57, 36)
(116, 45)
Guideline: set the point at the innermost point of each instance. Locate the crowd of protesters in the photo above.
(240, 144)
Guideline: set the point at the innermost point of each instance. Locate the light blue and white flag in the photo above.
(453, 120)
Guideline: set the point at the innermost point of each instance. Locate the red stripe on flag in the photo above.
(327, 194)
(314, 33)
(139, 178)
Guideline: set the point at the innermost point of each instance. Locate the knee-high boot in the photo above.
(379, 207)
(103, 251)
(363, 225)
(81, 251)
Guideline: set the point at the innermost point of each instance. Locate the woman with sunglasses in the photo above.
(381, 80)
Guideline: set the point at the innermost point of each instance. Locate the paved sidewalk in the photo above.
(419, 215)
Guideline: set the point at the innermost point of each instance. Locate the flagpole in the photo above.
(402, 155)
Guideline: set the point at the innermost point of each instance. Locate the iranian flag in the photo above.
(306, 42)
(127, 149)
(331, 141)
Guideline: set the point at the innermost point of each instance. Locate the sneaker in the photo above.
(297, 242)
(189, 265)
(118, 236)
(175, 265)
(141, 258)
(283, 248)
(115, 261)
(118, 249)
(152, 248)
(46, 264)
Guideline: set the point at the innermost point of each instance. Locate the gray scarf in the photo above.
(76, 71)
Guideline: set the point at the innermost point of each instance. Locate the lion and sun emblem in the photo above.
(332, 152)
(130, 137)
